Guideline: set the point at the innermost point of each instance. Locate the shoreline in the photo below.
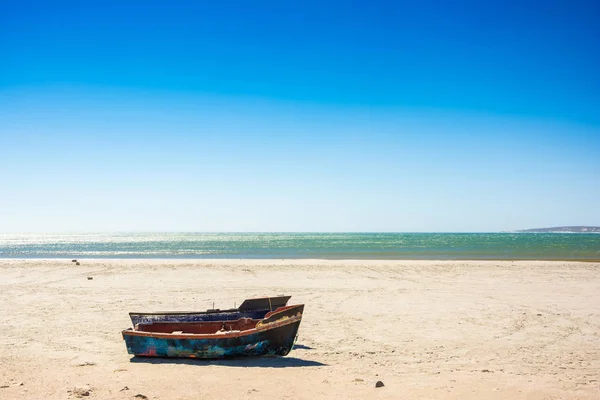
(186, 259)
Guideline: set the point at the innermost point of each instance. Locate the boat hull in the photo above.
(277, 339)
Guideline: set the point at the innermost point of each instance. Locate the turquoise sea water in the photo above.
(434, 246)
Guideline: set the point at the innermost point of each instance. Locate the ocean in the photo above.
(401, 246)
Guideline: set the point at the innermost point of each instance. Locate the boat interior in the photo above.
(203, 328)
(219, 327)
(265, 303)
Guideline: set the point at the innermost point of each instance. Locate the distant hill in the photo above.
(566, 229)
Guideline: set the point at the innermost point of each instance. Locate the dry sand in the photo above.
(427, 329)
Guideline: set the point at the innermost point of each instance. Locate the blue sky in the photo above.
(273, 116)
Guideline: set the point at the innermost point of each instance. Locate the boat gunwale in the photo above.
(233, 334)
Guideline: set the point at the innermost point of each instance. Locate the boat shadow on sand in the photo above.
(241, 362)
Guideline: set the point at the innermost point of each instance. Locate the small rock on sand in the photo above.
(77, 263)
(379, 384)
(140, 396)
(81, 392)
(90, 278)
(73, 260)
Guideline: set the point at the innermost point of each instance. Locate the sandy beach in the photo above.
(426, 329)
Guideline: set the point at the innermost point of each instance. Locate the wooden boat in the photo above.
(273, 335)
(250, 308)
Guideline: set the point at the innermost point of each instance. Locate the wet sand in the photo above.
(426, 329)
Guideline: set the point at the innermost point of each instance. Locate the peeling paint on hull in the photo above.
(278, 340)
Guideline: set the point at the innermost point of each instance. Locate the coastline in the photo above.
(448, 329)
(292, 259)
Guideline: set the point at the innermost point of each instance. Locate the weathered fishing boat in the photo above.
(250, 308)
(273, 335)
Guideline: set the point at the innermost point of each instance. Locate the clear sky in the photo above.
(299, 116)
